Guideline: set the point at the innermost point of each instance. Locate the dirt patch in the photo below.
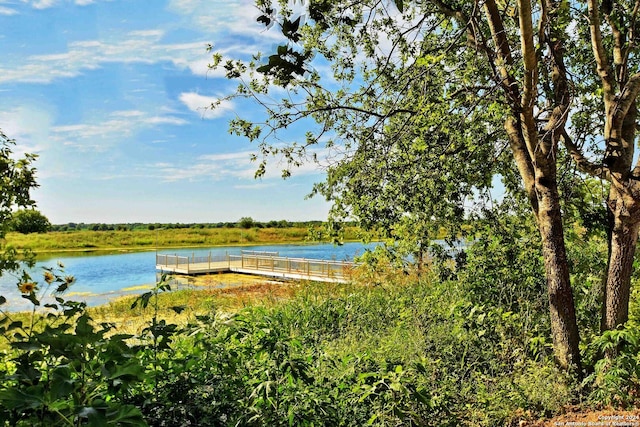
(604, 418)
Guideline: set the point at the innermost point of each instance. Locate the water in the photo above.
(100, 278)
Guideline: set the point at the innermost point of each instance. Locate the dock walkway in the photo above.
(258, 263)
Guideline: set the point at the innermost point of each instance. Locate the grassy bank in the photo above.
(444, 345)
(409, 352)
(86, 240)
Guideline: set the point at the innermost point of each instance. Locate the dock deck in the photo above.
(258, 263)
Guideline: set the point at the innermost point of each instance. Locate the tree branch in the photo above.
(631, 36)
(582, 162)
(529, 90)
(359, 110)
(503, 52)
(628, 96)
(600, 55)
(561, 94)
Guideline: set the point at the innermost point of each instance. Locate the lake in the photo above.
(101, 277)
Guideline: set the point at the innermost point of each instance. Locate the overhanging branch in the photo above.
(584, 164)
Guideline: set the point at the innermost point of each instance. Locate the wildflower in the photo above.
(49, 277)
(27, 287)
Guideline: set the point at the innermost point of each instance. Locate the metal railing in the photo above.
(301, 267)
(186, 262)
(297, 266)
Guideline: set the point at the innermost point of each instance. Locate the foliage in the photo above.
(63, 369)
(17, 179)
(407, 349)
(27, 221)
(616, 381)
(246, 222)
(418, 109)
(134, 226)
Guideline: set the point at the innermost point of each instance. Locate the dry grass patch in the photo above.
(195, 296)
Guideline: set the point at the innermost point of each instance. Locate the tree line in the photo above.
(33, 221)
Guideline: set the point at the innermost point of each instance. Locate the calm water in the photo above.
(101, 277)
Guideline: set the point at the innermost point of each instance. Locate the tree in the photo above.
(17, 178)
(428, 102)
(246, 222)
(30, 221)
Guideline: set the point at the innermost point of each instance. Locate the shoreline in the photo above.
(127, 249)
(96, 242)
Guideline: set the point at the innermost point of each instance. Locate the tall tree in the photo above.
(17, 179)
(428, 101)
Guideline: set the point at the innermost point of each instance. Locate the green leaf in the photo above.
(131, 370)
(142, 300)
(126, 415)
(26, 345)
(95, 415)
(83, 327)
(18, 400)
(14, 325)
(178, 308)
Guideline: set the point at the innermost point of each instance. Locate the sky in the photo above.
(112, 96)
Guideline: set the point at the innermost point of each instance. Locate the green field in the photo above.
(88, 240)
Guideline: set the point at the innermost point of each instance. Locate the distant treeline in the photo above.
(242, 223)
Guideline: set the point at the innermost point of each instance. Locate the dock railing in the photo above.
(266, 263)
(294, 266)
(179, 262)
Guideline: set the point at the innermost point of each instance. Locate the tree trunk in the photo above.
(624, 238)
(624, 211)
(564, 327)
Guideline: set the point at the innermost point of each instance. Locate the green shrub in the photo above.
(62, 369)
(616, 378)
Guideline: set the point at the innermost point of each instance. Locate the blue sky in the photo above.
(110, 95)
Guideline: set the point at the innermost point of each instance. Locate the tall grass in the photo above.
(148, 239)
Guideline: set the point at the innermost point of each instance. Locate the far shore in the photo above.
(116, 250)
(116, 241)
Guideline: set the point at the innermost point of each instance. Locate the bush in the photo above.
(246, 222)
(27, 221)
(408, 350)
(62, 368)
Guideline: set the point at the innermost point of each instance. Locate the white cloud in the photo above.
(28, 125)
(211, 167)
(228, 19)
(235, 166)
(7, 11)
(229, 24)
(43, 4)
(134, 47)
(46, 4)
(202, 105)
(116, 129)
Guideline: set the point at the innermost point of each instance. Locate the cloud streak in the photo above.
(119, 126)
(134, 47)
(236, 166)
(202, 105)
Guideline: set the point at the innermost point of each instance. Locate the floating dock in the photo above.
(258, 263)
